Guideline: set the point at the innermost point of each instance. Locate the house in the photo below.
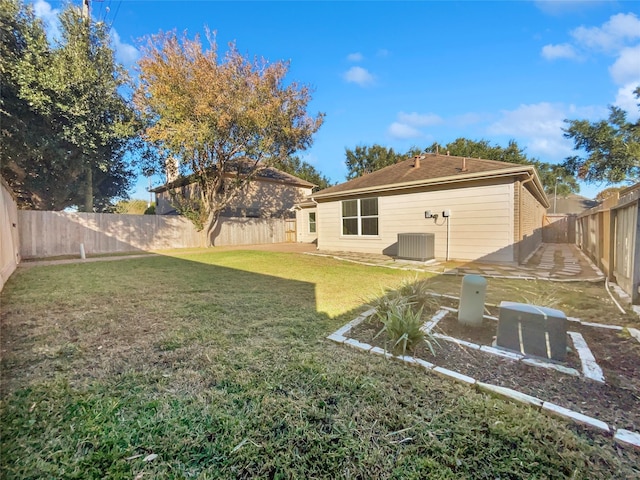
(476, 209)
(272, 194)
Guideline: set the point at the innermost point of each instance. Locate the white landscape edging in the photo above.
(621, 436)
(590, 368)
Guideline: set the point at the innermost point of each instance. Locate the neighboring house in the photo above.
(476, 209)
(272, 194)
(570, 204)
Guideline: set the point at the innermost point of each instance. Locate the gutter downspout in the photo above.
(520, 235)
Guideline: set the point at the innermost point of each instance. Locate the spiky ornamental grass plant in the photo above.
(402, 326)
(400, 313)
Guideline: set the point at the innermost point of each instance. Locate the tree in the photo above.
(554, 178)
(612, 148)
(305, 171)
(131, 207)
(223, 119)
(365, 159)
(463, 147)
(69, 92)
(28, 147)
(608, 192)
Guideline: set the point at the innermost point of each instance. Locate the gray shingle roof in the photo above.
(265, 174)
(431, 167)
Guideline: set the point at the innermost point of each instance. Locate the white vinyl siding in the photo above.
(481, 223)
(303, 226)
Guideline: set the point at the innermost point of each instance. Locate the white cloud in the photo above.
(359, 76)
(355, 57)
(49, 17)
(613, 35)
(403, 131)
(126, 53)
(627, 100)
(383, 52)
(419, 120)
(626, 68)
(407, 125)
(553, 52)
(540, 125)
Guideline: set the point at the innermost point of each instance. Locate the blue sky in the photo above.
(403, 74)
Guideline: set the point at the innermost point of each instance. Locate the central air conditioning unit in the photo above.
(416, 246)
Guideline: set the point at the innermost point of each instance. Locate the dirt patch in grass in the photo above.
(614, 402)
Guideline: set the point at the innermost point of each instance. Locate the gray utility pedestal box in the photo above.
(532, 330)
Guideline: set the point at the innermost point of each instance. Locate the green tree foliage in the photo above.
(79, 125)
(368, 159)
(223, 118)
(131, 207)
(305, 171)
(28, 146)
(611, 148)
(607, 192)
(553, 177)
(463, 147)
(363, 159)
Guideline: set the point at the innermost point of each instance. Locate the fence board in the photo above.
(625, 232)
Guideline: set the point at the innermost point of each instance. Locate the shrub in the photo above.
(400, 312)
(402, 325)
(418, 294)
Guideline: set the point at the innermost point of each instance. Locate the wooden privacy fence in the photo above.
(47, 234)
(9, 239)
(610, 235)
(249, 231)
(559, 228)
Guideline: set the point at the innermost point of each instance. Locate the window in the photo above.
(360, 217)
(312, 222)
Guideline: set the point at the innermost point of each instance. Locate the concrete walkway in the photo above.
(552, 261)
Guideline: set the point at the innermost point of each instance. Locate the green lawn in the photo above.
(218, 364)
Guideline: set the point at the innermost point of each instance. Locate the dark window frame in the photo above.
(312, 223)
(355, 223)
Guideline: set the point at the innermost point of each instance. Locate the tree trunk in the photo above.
(88, 193)
(213, 220)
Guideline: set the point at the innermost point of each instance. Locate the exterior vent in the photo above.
(416, 246)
